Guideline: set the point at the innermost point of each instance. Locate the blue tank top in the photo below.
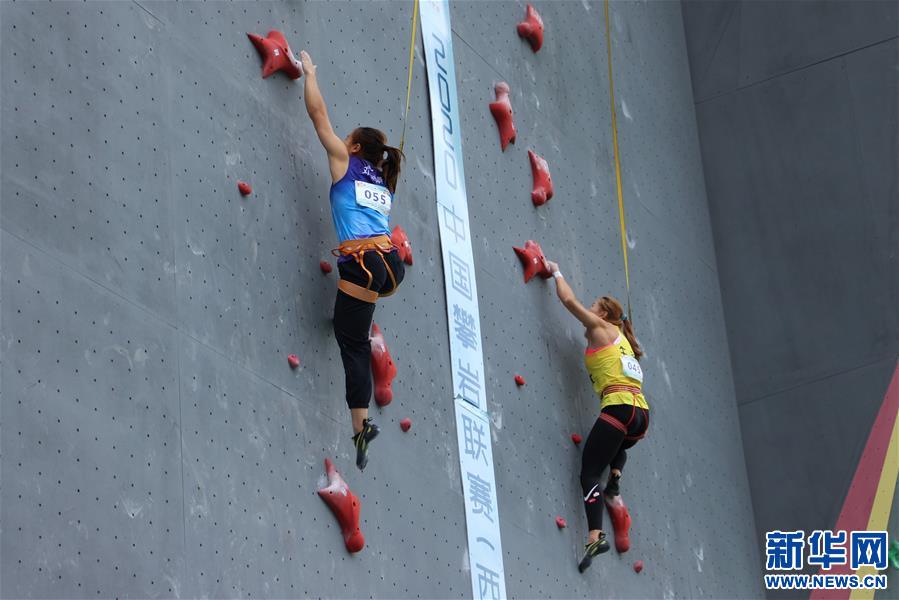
(353, 220)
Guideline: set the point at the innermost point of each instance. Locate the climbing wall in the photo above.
(155, 442)
(800, 144)
(686, 482)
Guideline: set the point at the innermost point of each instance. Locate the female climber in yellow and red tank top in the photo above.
(612, 360)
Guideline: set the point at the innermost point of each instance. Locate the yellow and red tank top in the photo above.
(615, 365)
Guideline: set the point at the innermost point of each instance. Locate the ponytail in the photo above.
(613, 307)
(628, 331)
(374, 147)
(391, 166)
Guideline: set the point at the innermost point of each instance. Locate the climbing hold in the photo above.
(576, 438)
(638, 566)
(519, 380)
(621, 522)
(345, 506)
(403, 246)
(276, 54)
(893, 554)
(325, 266)
(293, 360)
(244, 188)
(531, 28)
(543, 182)
(502, 113)
(382, 367)
(560, 523)
(531, 257)
(406, 424)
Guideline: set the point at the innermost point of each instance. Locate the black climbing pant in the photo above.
(606, 447)
(352, 320)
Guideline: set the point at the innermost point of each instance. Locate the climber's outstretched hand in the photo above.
(306, 61)
(551, 266)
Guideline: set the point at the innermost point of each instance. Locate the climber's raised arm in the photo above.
(338, 155)
(566, 295)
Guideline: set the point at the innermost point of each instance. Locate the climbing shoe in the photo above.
(369, 432)
(593, 550)
(612, 486)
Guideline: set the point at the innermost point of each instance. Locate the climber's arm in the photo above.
(570, 301)
(338, 156)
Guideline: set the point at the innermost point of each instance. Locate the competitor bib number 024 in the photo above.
(376, 197)
(631, 368)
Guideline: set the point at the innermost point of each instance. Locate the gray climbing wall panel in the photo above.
(798, 110)
(155, 443)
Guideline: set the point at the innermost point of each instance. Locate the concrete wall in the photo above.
(155, 443)
(797, 110)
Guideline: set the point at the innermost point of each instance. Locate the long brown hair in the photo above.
(615, 315)
(374, 148)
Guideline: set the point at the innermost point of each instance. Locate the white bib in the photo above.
(376, 197)
(631, 368)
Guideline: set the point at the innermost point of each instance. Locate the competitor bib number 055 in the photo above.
(631, 368)
(373, 196)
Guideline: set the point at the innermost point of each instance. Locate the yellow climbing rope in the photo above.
(627, 278)
(409, 81)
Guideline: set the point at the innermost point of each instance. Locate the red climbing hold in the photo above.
(403, 246)
(406, 424)
(621, 522)
(293, 360)
(638, 566)
(531, 257)
(543, 182)
(345, 506)
(502, 112)
(560, 523)
(519, 380)
(244, 188)
(325, 266)
(276, 54)
(382, 367)
(531, 28)
(576, 438)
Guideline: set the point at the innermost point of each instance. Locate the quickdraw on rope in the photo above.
(409, 81)
(627, 278)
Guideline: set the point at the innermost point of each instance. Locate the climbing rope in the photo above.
(627, 278)
(409, 81)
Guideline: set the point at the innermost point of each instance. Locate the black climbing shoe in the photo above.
(612, 486)
(593, 550)
(369, 432)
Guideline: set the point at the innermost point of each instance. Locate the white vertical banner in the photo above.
(467, 360)
(485, 550)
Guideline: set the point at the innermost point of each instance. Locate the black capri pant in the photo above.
(607, 446)
(353, 317)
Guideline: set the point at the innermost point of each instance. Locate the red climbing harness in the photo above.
(624, 427)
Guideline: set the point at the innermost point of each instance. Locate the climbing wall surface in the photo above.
(798, 112)
(155, 441)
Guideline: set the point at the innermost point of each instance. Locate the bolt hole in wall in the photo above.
(156, 430)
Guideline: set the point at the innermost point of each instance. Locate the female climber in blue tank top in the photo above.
(364, 171)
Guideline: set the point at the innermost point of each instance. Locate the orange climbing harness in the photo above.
(357, 249)
(623, 427)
